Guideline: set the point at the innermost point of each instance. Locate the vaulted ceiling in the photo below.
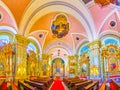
(33, 18)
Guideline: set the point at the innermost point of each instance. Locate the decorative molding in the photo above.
(56, 44)
(37, 42)
(8, 29)
(109, 32)
(1, 16)
(90, 28)
(90, 4)
(9, 12)
(80, 44)
(46, 31)
(22, 40)
(98, 42)
(106, 18)
(74, 48)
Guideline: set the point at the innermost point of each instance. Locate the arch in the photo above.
(80, 12)
(112, 12)
(109, 33)
(8, 29)
(111, 36)
(37, 42)
(51, 49)
(80, 44)
(10, 13)
(4, 39)
(110, 40)
(82, 49)
(57, 67)
(32, 47)
(56, 44)
(9, 32)
(56, 59)
(38, 31)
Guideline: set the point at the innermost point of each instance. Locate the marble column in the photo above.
(94, 56)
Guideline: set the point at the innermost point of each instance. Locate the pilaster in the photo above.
(73, 65)
(21, 43)
(94, 55)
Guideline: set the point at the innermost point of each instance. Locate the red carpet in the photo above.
(112, 87)
(4, 86)
(57, 85)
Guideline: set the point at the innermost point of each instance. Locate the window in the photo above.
(31, 47)
(4, 39)
(110, 41)
(83, 49)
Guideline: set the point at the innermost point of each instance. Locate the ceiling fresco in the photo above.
(82, 20)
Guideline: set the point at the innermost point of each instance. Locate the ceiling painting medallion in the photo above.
(60, 26)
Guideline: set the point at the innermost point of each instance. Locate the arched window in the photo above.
(84, 48)
(110, 40)
(4, 39)
(31, 47)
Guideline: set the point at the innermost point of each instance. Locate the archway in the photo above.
(58, 67)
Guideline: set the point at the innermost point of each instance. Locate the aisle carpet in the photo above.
(112, 87)
(57, 85)
(12, 87)
(4, 86)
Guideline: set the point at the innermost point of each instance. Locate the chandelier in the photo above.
(106, 2)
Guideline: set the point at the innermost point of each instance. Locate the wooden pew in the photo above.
(70, 81)
(92, 86)
(67, 81)
(40, 86)
(46, 83)
(75, 82)
(1, 82)
(103, 86)
(24, 86)
(115, 84)
(49, 80)
(80, 86)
